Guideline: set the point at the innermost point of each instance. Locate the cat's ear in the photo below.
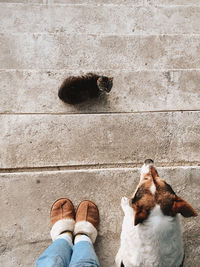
(183, 207)
(141, 214)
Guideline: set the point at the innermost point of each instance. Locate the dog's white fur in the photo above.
(145, 169)
(155, 242)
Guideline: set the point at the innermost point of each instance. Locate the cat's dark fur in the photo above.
(77, 89)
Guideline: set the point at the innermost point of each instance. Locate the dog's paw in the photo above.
(125, 203)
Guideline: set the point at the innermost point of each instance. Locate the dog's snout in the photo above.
(146, 167)
(148, 161)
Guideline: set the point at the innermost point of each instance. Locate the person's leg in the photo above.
(85, 231)
(84, 253)
(58, 254)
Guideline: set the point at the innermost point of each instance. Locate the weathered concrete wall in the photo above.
(49, 149)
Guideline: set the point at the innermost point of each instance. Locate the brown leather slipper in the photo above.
(62, 217)
(87, 219)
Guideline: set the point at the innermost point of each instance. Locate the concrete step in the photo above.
(26, 199)
(108, 2)
(100, 19)
(173, 2)
(67, 140)
(96, 2)
(81, 51)
(36, 92)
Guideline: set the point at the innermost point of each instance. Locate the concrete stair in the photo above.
(93, 151)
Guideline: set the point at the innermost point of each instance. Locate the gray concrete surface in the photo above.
(88, 51)
(104, 19)
(96, 2)
(173, 2)
(133, 91)
(112, 2)
(68, 140)
(25, 223)
(49, 149)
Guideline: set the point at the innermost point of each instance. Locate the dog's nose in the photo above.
(148, 161)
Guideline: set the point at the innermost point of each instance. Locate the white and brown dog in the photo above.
(151, 232)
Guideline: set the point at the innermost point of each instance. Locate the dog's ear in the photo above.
(141, 214)
(184, 208)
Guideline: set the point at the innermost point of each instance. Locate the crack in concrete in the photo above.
(101, 113)
(97, 167)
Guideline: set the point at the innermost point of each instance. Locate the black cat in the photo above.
(77, 89)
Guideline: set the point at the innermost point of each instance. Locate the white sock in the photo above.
(67, 237)
(81, 237)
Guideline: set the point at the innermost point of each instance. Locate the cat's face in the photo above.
(105, 83)
(153, 190)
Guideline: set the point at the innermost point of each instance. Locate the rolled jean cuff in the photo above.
(84, 263)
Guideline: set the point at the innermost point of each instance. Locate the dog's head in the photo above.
(153, 190)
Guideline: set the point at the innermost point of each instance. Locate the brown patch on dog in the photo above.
(164, 195)
(143, 201)
(165, 200)
(154, 172)
(184, 208)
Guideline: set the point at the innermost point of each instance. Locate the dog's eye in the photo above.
(138, 195)
(169, 189)
(133, 200)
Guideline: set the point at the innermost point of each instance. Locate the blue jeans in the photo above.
(61, 254)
